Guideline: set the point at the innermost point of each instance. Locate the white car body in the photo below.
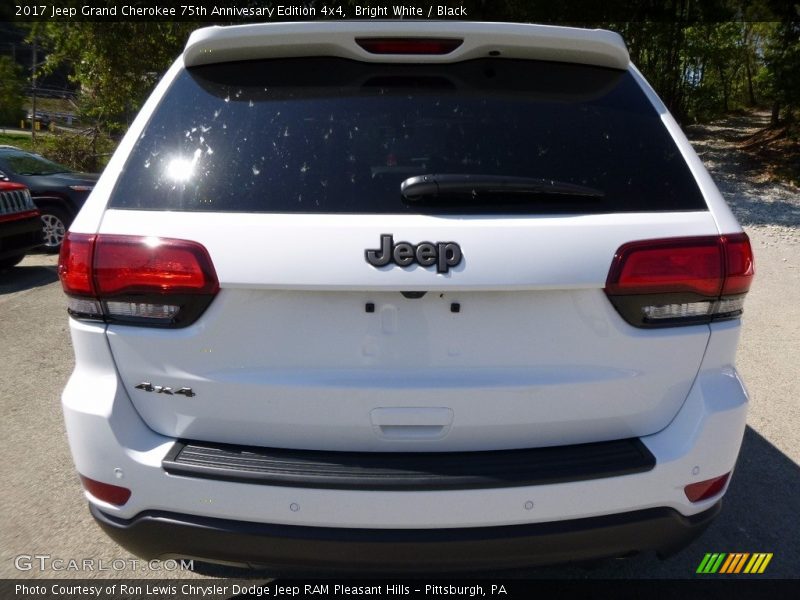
(535, 357)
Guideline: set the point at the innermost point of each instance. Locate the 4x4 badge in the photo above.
(442, 254)
(160, 389)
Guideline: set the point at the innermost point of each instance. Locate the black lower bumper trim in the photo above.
(408, 470)
(288, 547)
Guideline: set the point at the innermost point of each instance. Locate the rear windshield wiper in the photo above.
(427, 186)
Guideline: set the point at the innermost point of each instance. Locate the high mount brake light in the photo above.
(136, 280)
(409, 45)
(681, 281)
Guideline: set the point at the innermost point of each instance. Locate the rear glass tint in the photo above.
(329, 135)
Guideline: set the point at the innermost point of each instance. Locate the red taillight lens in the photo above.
(75, 264)
(136, 280)
(739, 264)
(703, 490)
(130, 264)
(663, 266)
(409, 45)
(678, 281)
(113, 494)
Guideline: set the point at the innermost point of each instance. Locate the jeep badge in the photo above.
(442, 254)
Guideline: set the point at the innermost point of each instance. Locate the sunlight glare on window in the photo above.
(181, 169)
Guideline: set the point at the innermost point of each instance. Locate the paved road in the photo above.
(42, 510)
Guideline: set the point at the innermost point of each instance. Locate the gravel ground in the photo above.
(772, 209)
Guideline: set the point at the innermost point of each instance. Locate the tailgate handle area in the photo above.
(411, 423)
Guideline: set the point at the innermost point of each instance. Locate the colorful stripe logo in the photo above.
(734, 563)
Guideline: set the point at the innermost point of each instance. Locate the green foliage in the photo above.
(11, 96)
(77, 151)
(781, 75)
(116, 64)
(87, 153)
(703, 58)
(702, 69)
(713, 67)
(20, 141)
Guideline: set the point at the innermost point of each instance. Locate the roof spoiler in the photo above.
(508, 40)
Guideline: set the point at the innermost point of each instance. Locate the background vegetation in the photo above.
(11, 91)
(704, 59)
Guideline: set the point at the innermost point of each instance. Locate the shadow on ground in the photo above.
(736, 128)
(20, 278)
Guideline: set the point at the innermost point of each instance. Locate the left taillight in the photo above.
(681, 281)
(136, 280)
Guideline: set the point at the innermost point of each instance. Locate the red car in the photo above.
(20, 223)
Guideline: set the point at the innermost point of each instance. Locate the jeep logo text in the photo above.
(442, 254)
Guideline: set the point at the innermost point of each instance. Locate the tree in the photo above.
(782, 70)
(11, 96)
(714, 67)
(116, 64)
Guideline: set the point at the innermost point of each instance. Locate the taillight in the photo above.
(681, 281)
(409, 45)
(113, 494)
(739, 266)
(135, 279)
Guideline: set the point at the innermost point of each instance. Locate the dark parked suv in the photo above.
(58, 192)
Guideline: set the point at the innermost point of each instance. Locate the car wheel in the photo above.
(11, 261)
(54, 228)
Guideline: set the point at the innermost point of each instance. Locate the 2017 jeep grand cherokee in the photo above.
(408, 296)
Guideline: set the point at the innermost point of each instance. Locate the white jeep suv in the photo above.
(405, 296)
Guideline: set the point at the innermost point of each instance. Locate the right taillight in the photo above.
(136, 280)
(681, 281)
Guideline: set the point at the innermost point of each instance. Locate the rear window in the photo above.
(329, 135)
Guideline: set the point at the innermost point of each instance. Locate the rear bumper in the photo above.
(539, 522)
(168, 535)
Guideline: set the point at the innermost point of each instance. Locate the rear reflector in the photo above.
(136, 280)
(678, 281)
(703, 490)
(409, 45)
(113, 494)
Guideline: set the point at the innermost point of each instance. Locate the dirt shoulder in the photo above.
(743, 174)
